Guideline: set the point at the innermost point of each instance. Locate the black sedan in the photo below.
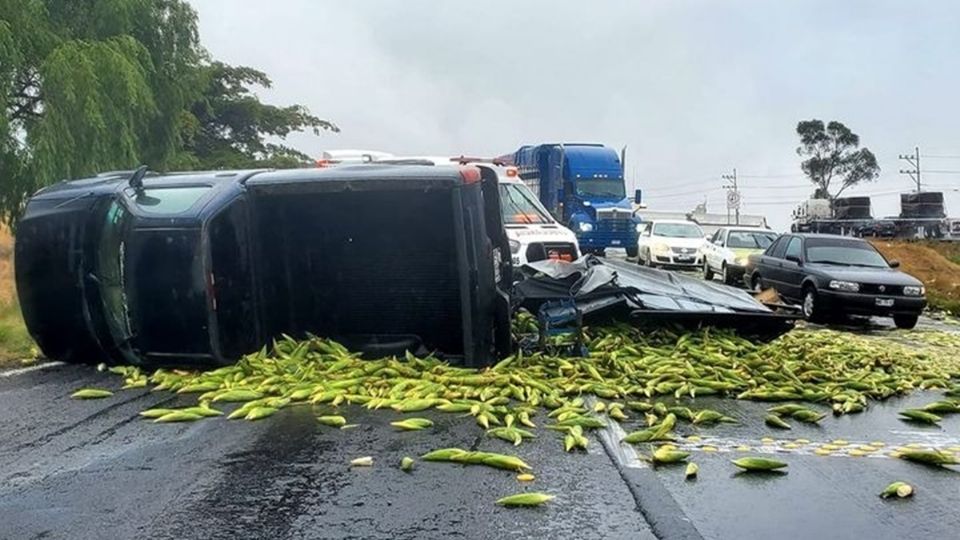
(839, 275)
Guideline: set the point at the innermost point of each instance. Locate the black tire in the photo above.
(906, 322)
(810, 306)
(633, 251)
(645, 259)
(725, 275)
(707, 272)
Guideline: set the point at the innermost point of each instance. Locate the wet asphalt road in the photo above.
(94, 469)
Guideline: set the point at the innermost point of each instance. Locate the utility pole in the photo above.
(733, 195)
(913, 160)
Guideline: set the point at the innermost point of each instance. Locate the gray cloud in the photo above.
(692, 88)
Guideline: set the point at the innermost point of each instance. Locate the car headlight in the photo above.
(912, 290)
(660, 248)
(741, 261)
(514, 246)
(585, 226)
(848, 286)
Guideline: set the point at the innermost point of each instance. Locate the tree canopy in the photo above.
(93, 85)
(834, 159)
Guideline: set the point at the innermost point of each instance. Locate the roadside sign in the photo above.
(733, 199)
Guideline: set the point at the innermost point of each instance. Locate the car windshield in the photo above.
(520, 206)
(677, 230)
(750, 239)
(601, 187)
(843, 253)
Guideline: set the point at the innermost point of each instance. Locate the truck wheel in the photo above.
(633, 251)
(906, 322)
(811, 305)
(707, 272)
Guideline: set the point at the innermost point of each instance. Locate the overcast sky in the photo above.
(692, 88)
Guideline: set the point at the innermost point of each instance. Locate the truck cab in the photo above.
(583, 186)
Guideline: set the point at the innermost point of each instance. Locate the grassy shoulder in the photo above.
(15, 342)
(936, 264)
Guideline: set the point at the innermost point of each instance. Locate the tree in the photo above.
(228, 126)
(834, 157)
(94, 85)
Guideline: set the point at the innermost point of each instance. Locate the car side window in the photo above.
(716, 238)
(794, 248)
(778, 247)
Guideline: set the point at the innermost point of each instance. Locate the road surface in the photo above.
(94, 469)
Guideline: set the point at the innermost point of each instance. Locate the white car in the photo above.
(728, 250)
(533, 233)
(671, 243)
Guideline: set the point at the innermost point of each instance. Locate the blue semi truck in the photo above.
(583, 186)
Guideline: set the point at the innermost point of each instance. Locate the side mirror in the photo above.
(793, 258)
(637, 196)
(894, 264)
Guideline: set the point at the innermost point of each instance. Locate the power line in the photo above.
(687, 184)
(671, 195)
(791, 175)
(928, 156)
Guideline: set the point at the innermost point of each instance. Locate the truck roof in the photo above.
(440, 161)
(581, 160)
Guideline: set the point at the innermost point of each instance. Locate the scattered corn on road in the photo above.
(95, 469)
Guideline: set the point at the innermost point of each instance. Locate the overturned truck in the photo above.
(201, 268)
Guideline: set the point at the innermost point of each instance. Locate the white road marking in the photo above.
(611, 437)
(21, 371)
(624, 453)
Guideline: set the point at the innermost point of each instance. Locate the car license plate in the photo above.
(614, 242)
(684, 259)
(885, 302)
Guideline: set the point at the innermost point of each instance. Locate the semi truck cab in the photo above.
(583, 187)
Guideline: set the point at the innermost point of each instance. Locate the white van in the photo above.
(533, 233)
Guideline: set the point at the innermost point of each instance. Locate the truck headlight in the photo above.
(911, 290)
(848, 286)
(585, 226)
(514, 246)
(638, 227)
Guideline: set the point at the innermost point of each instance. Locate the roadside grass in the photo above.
(936, 264)
(16, 346)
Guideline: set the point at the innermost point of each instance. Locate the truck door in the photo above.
(552, 191)
(503, 267)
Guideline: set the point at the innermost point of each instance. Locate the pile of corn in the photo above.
(626, 371)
